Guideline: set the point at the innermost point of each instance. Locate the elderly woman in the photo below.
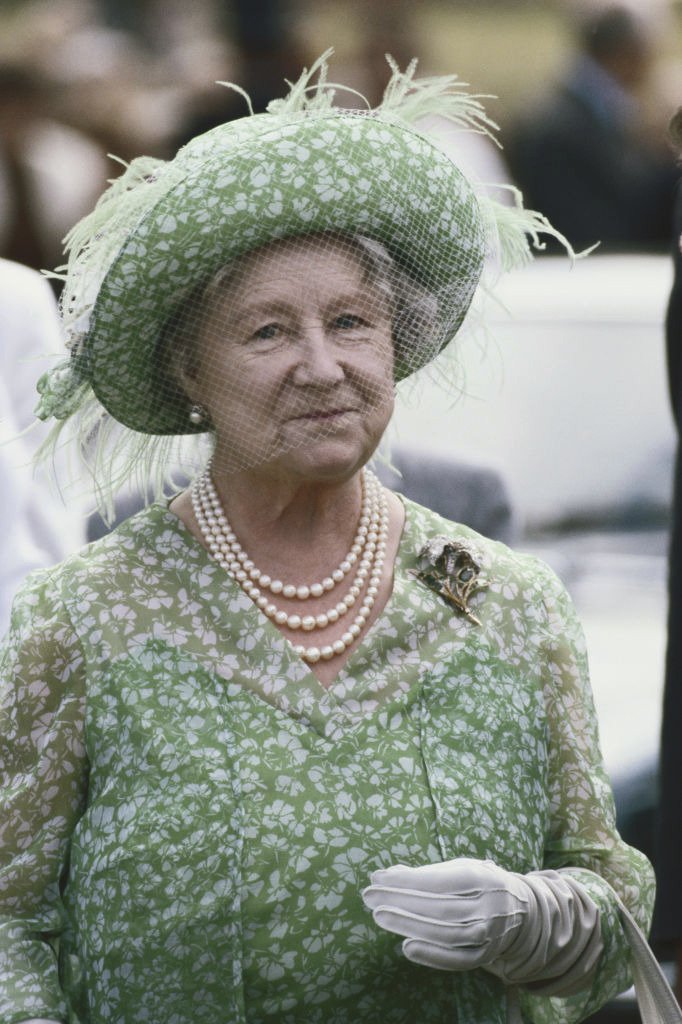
(262, 733)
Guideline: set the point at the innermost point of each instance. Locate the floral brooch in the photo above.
(450, 568)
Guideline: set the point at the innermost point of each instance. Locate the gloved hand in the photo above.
(467, 913)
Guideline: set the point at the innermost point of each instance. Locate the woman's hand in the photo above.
(468, 913)
(456, 915)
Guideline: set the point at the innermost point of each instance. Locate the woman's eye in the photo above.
(347, 321)
(267, 332)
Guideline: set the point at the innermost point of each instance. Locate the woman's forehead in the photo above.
(294, 269)
(293, 257)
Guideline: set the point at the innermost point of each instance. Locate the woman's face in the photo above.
(294, 360)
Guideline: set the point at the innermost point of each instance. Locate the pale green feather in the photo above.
(410, 101)
(304, 94)
(117, 210)
(241, 92)
(515, 231)
(118, 460)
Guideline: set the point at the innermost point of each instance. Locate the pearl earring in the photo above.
(197, 415)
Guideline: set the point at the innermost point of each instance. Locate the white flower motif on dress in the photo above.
(220, 812)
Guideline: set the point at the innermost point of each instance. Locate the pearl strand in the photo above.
(371, 537)
(217, 532)
(289, 590)
(328, 651)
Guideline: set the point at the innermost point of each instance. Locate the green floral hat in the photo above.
(303, 167)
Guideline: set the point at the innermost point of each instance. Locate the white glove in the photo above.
(467, 913)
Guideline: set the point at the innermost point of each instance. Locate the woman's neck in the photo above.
(270, 513)
(300, 535)
(290, 528)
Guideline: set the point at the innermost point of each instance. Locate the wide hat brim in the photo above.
(252, 181)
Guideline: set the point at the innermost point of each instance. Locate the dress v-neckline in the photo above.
(293, 688)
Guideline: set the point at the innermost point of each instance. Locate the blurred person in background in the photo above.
(78, 84)
(36, 529)
(585, 156)
(50, 171)
(668, 915)
(265, 51)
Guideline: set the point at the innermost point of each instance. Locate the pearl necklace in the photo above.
(368, 518)
(368, 551)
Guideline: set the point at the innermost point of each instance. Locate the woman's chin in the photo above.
(326, 460)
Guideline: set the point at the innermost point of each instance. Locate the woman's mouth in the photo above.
(323, 415)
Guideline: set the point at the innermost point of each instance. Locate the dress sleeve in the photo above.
(43, 779)
(582, 839)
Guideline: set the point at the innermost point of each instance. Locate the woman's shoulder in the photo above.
(501, 584)
(507, 580)
(423, 526)
(122, 567)
(141, 539)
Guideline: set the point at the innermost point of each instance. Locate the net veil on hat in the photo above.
(368, 179)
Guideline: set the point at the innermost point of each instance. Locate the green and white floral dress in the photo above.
(189, 817)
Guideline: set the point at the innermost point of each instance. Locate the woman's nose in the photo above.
(318, 359)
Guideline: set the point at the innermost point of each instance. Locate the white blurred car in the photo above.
(566, 394)
(566, 398)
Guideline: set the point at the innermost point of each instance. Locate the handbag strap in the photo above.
(656, 1000)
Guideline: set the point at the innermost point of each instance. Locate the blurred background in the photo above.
(80, 79)
(561, 439)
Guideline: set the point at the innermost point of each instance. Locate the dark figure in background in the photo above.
(21, 234)
(51, 168)
(582, 156)
(668, 916)
(268, 53)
